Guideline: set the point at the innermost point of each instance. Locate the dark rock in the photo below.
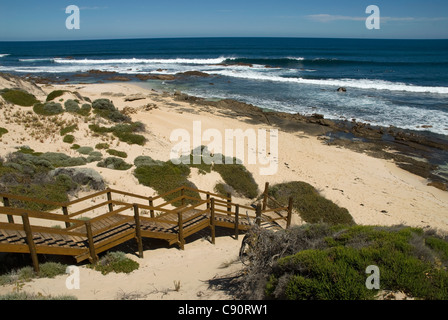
(193, 74)
(342, 89)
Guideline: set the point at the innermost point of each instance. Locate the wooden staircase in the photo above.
(131, 216)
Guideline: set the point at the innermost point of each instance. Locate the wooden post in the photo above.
(265, 195)
(30, 241)
(65, 212)
(109, 198)
(229, 206)
(208, 201)
(181, 231)
(182, 194)
(151, 204)
(6, 204)
(237, 220)
(93, 256)
(288, 220)
(212, 219)
(258, 215)
(138, 234)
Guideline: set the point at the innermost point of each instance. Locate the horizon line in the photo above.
(223, 37)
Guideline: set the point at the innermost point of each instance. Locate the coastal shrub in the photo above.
(85, 109)
(48, 108)
(114, 163)
(94, 156)
(62, 160)
(124, 132)
(115, 262)
(164, 177)
(238, 177)
(71, 106)
(102, 146)
(85, 150)
(3, 131)
(22, 296)
(312, 207)
(19, 97)
(75, 147)
(69, 129)
(222, 189)
(324, 262)
(55, 94)
(146, 161)
(117, 153)
(106, 109)
(82, 176)
(68, 138)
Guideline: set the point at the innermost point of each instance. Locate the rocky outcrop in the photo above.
(193, 74)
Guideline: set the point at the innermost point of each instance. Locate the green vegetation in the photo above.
(26, 173)
(75, 147)
(71, 106)
(114, 163)
(85, 150)
(32, 296)
(312, 207)
(239, 178)
(69, 138)
(69, 129)
(124, 132)
(163, 177)
(48, 108)
(94, 156)
(100, 146)
(47, 270)
(3, 131)
(324, 262)
(19, 97)
(55, 94)
(115, 262)
(106, 109)
(117, 153)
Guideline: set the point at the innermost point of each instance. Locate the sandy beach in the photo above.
(375, 191)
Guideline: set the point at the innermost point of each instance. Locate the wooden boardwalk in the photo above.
(129, 217)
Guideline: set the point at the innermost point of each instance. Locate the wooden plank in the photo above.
(30, 242)
(138, 234)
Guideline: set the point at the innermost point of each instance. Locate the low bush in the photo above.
(69, 138)
(85, 150)
(239, 178)
(85, 109)
(3, 131)
(102, 146)
(71, 106)
(68, 129)
(164, 177)
(55, 94)
(106, 109)
(124, 132)
(312, 207)
(115, 262)
(19, 97)
(324, 262)
(48, 108)
(117, 153)
(114, 163)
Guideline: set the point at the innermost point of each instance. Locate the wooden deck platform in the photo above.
(85, 239)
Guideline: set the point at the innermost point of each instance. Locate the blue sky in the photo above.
(111, 19)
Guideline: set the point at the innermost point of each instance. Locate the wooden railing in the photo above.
(221, 210)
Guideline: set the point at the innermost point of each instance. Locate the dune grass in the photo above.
(3, 131)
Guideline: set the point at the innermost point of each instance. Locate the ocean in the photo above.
(401, 83)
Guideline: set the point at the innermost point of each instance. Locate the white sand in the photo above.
(375, 191)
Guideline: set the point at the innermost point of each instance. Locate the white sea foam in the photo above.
(36, 60)
(4, 55)
(352, 83)
(141, 61)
